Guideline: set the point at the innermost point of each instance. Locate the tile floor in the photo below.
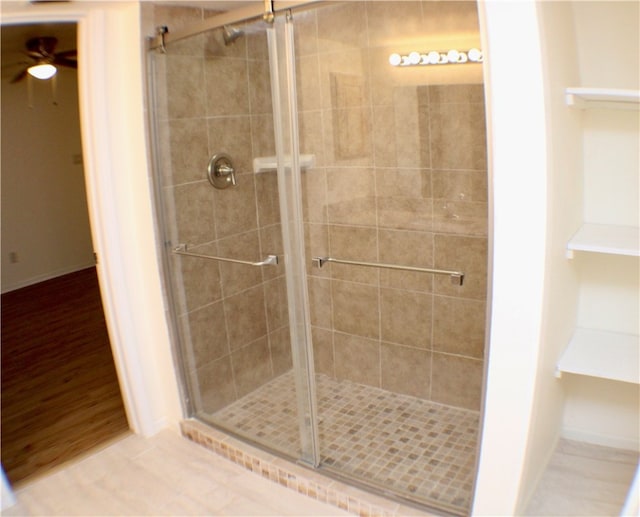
(162, 475)
(415, 448)
(584, 480)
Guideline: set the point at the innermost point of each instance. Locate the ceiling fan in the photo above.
(46, 59)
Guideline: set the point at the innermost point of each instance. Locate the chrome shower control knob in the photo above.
(220, 171)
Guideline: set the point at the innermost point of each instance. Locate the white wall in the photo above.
(44, 208)
(518, 164)
(564, 216)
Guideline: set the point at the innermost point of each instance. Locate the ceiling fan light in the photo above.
(43, 71)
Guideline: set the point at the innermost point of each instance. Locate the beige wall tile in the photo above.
(458, 326)
(406, 370)
(455, 127)
(216, 386)
(342, 26)
(316, 238)
(275, 292)
(262, 136)
(238, 277)
(470, 186)
(323, 351)
(466, 254)
(306, 33)
(406, 317)
(314, 195)
(320, 301)
(394, 21)
(259, 87)
(354, 243)
(460, 217)
(251, 366)
(185, 87)
(267, 198)
(231, 135)
(200, 281)
(208, 333)
(456, 381)
(308, 83)
(351, 196)
(194, 213)
(347, 136)
(189, 152)
(280, 346)
(355, 309)
(357, 359)
(235, 207)
(311, 140)
(406, 248)
(227, 86)
(450, 17)
(245, 314)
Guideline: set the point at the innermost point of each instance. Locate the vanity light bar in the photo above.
(452, 57)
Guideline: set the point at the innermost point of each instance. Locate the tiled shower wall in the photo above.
(233, 318)
(400, 178)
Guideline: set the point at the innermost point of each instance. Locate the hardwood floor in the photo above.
(60, 394)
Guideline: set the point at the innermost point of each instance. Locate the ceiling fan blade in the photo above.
(68, 53)
(20, 76)
(34, 54)
(62, 61)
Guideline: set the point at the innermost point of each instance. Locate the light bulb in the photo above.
(453, 56)
(395, 59)
(414, 58)
(475, 55)
(45, 71)
(433, 57)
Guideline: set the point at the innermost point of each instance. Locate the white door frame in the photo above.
(113, 126)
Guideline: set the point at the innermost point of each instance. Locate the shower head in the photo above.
(231, 34)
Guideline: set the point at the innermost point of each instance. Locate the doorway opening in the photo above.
(60, 391)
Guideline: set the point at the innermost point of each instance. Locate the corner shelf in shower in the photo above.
(607, 98)
(607, 355)
(606, 238)
(270, 163)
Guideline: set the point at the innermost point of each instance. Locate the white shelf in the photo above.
(607, 355)
(609, 98)
(270, 163)
(605, 238)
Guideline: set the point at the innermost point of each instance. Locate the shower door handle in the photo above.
(270, 260)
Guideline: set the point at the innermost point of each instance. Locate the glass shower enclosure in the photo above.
(322, 194)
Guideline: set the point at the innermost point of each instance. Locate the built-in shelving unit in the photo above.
(606, 238)
(596, 353)
(607, 98)
(608, 355)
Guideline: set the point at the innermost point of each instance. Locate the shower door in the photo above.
(398, 188)
(238, 291)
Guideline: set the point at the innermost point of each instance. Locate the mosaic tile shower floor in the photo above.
(415, 448)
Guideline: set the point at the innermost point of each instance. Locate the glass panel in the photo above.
(213, 97)
(399, 178)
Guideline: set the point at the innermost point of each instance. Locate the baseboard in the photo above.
(616, 442)
(46, 276)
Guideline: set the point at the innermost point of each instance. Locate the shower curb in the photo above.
(292, 476)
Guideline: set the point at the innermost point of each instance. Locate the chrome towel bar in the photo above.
(271, 260)
(456, 276)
